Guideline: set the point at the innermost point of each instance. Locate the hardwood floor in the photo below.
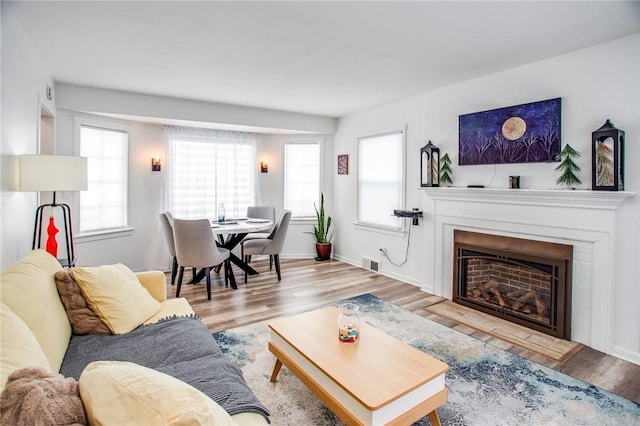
(307, 284)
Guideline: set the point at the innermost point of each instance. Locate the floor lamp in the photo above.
(41, 173)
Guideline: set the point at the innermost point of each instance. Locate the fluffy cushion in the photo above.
(118, 393)
(19, 347)
(83, 320)
(114, 293)
(29, 290)
(35, 396)
(171, 308)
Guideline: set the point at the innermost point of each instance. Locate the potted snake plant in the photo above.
(321, 232)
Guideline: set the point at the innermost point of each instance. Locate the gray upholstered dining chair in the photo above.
(261, 212)
(196, 247)
(272, 245)
(167, 230)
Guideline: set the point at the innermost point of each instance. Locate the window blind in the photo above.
(207, 168)
(381, 179)
(104, 205)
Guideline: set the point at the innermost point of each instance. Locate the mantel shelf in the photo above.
(607, 200)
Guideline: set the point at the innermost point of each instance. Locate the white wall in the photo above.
(595, 84)
(271, 148)
(25, 78)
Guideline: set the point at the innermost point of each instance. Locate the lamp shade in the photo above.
(53, 173)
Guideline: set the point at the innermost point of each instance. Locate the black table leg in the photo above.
(199, 276)
(242, 265)
(229, 243)
(232, 278)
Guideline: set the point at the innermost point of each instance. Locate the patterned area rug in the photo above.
(487, 386)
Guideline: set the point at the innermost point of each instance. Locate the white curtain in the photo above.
(206, 168)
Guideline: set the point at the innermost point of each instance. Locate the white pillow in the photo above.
(120, 393)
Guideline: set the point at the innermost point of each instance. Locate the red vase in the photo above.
(323, 251)
(52, 244)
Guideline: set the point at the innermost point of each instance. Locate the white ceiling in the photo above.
(327, 58)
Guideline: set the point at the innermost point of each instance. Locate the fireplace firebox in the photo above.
(527, 282)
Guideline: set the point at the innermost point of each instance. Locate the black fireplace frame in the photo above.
(558, 258)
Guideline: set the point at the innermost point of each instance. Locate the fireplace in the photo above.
(524, 281)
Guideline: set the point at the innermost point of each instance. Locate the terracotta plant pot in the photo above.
(323, 251)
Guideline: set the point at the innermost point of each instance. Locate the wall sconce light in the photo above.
(264, 167)
(156, 165)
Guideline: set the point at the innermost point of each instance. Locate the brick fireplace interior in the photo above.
(524, 281)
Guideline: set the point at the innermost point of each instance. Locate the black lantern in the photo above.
(429, 165)
(607, 158)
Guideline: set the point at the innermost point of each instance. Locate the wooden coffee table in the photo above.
(380, 380)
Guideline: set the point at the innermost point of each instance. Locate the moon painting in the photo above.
(513, 128)
(527, 133)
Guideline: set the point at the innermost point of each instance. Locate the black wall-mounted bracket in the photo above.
(413, 214)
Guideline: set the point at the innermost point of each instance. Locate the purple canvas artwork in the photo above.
(527, 133)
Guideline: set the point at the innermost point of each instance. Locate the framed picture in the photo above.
(343, 164)
(527, 133)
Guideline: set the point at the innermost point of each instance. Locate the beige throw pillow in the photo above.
(119, 393)
(116, 296)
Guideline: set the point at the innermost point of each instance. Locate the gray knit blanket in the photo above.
(180, 347)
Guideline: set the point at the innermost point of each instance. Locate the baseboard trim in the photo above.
(386, 273)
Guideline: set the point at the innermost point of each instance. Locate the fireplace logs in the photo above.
(518, 300)
(491, 287)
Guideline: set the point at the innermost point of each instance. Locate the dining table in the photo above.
(230, 233)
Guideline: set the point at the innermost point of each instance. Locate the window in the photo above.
(301, 178)
(207, 168)
(381, 179)
(104, 205)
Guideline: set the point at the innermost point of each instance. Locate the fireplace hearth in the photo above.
(523, 281)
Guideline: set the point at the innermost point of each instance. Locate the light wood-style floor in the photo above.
(307, 284)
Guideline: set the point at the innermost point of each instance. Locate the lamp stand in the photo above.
(68, 233)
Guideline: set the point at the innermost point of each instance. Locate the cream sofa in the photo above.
(36, 332)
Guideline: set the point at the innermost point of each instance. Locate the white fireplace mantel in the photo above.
(608, 200)
(582, 218)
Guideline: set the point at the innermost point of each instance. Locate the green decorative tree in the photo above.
(445, 170)
(568, 167)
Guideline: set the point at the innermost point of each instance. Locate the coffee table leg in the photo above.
(433, 418)
(276, 370)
